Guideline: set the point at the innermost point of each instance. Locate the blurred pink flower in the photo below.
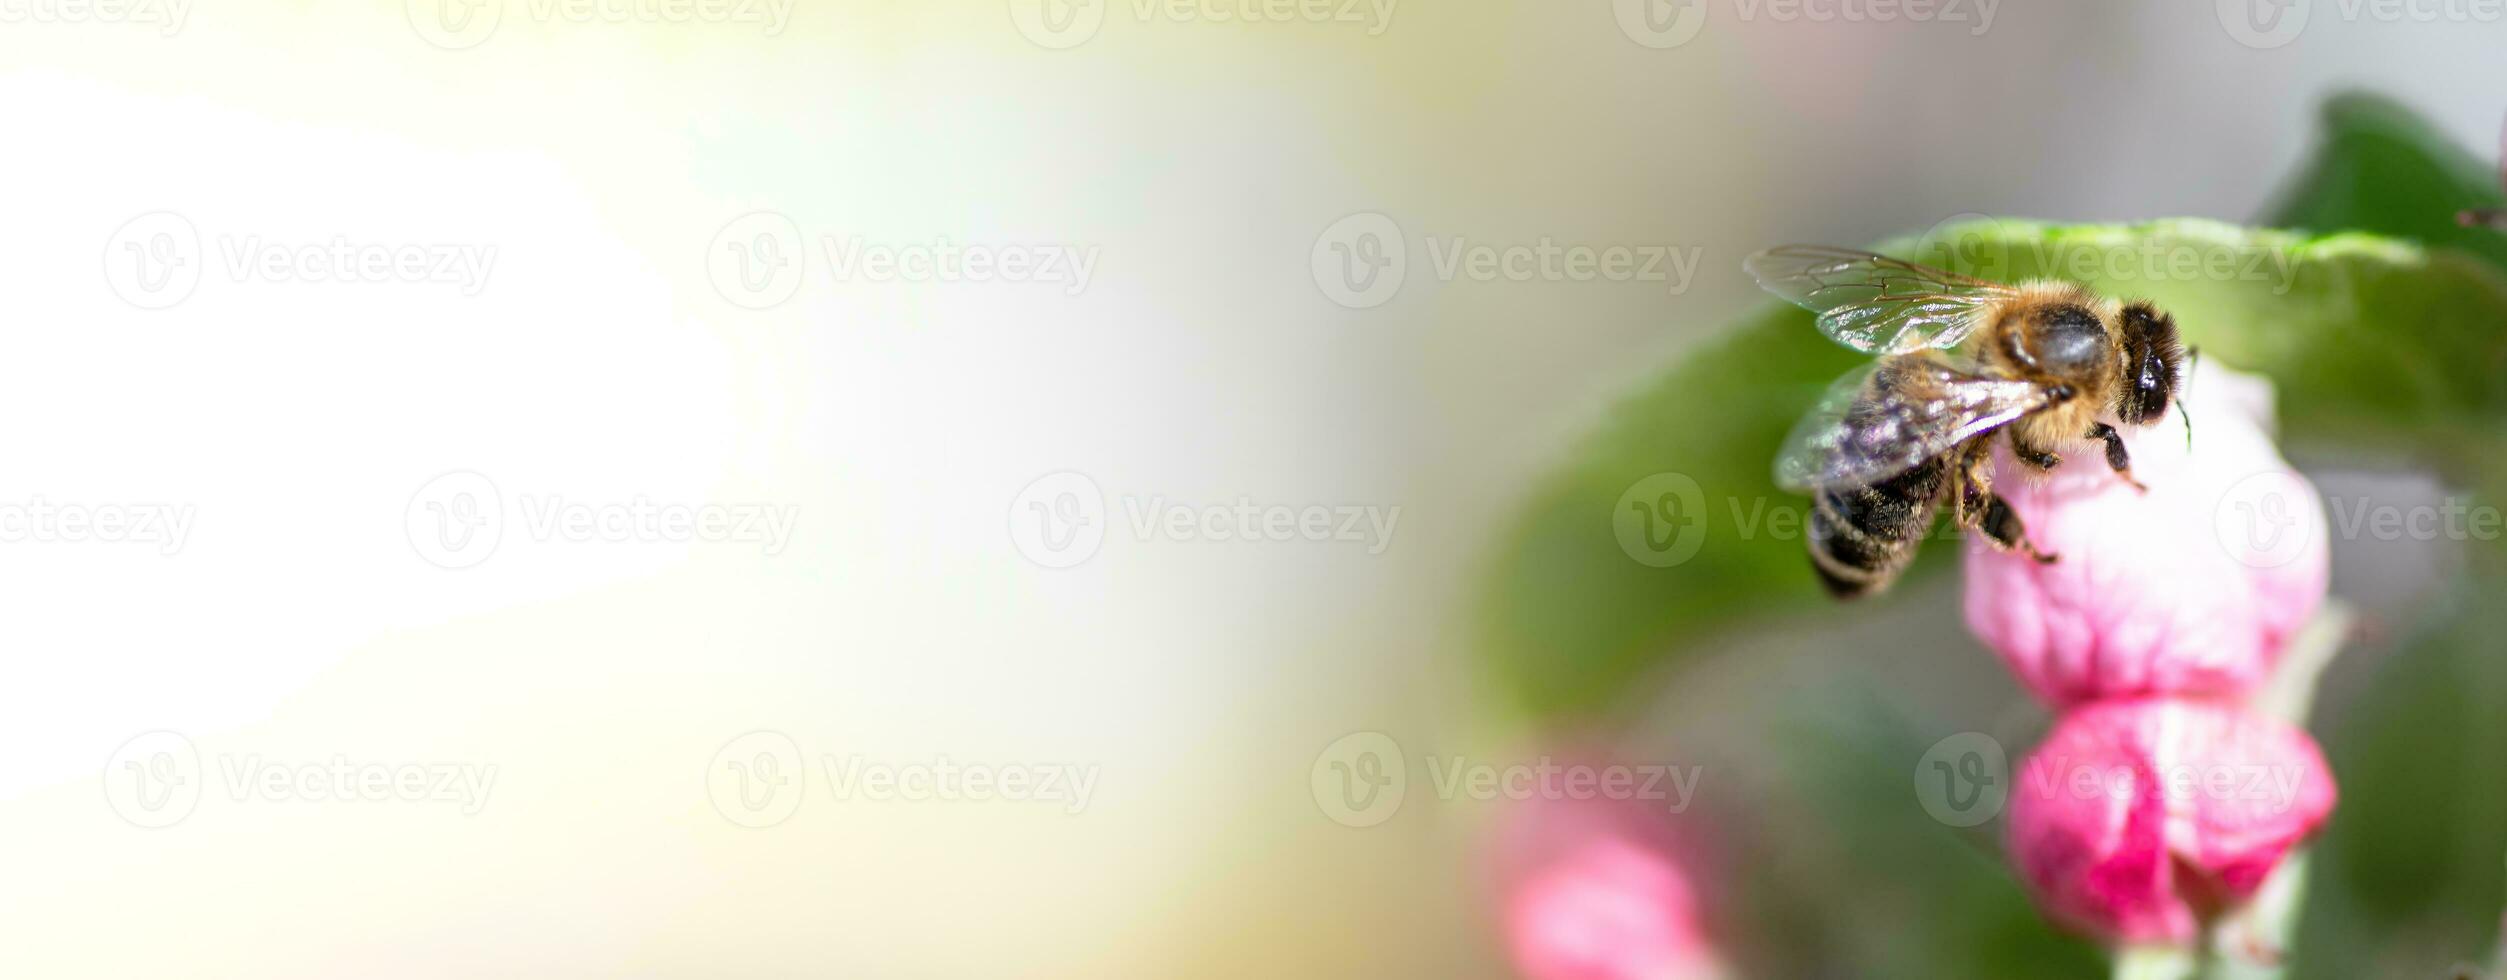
(2191, 588)
(2137, 817)
(1591, 890)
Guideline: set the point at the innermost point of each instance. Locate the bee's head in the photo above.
(2154, 362)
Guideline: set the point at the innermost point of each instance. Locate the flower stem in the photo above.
(2252, 943)
(2291, 691)
(2155, 963)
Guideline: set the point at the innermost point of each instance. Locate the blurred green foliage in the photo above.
(2412, 874)
(2383, 324)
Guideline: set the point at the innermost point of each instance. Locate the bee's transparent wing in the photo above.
(1874, 303)
(1881, 419)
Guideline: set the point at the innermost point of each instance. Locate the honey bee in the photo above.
(1894, 439)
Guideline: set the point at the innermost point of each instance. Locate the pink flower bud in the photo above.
(1591, 890)
(2138, 817)
(2191, 588)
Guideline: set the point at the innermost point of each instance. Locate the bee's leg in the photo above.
(2033, 456)
(1971, 489)
(2117, 459)
(1976, 507)
(2002, 527)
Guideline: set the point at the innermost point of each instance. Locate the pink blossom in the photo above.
(1592, 890)
(2137, 817)
(2190, 588)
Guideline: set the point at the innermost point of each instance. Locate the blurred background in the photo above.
(501, 480)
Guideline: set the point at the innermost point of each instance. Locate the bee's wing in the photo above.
(1874, 303)
(1883, 418)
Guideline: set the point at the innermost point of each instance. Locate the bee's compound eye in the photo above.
(2151, 390)
(2154, 403)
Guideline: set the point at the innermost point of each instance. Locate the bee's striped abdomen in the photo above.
(1861, 537)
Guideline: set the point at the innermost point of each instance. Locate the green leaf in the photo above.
(2383, 169)
(2376, 344)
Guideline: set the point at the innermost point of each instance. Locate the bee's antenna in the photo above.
(2193, 357)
